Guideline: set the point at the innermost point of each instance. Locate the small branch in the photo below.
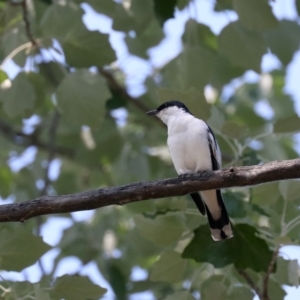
(27, 23)
(22, 139)
(112, 83)
(120, 195)
(249, 280)
(265, 295)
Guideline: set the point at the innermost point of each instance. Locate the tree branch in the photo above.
(112, 83)
(182, 185)
(249, 280)
(23, 139)
(265, 294)
(27, 23)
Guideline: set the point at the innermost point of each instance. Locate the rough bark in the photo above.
(120, 195)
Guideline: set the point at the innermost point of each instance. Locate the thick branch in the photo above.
(206, 180)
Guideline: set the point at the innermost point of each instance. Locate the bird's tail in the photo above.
(199, 202)
(217, 215)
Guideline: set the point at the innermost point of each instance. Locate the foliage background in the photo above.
(72, 118)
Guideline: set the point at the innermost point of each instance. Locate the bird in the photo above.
(193, 148)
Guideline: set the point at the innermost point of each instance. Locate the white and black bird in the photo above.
(193, 147)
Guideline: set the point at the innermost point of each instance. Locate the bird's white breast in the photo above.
(188, 144)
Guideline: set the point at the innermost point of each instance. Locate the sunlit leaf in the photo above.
(6, 179)
(244, 250)
(75, 288)
(197, 34)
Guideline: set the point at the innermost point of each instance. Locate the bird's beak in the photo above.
(152, 112)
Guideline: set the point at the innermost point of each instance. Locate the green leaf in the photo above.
(3, 76)
(265, 194)
(213, 288)
(286, 125)
(20, 249)
(150, 37)
(255, 14)
(235, 205)
(169, 267)
(59, 20)
(186, 71)
(298, 6)
(164, 10)
(244, 250)
(196, 34)
(19, 98)
(6, 179)
(123, 19)
(221, 5)
(81, 98)
(116, 278)
(84, 48)
(290, 189)
(275, 290)
(242, 47)
(233, 129)
(13, 39)
(182, 295)
(76, 288)
(287, 271)
(240, 292)
(223, 72)
(284, 40)
(164, 230)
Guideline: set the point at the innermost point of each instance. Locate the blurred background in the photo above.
(76, 78)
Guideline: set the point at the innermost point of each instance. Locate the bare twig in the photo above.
(20, 138)
(27, 23)
(113, 83)
(249, 280)
(265, 295)
(120, 195)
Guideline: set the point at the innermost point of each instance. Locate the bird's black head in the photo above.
(169, 104)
